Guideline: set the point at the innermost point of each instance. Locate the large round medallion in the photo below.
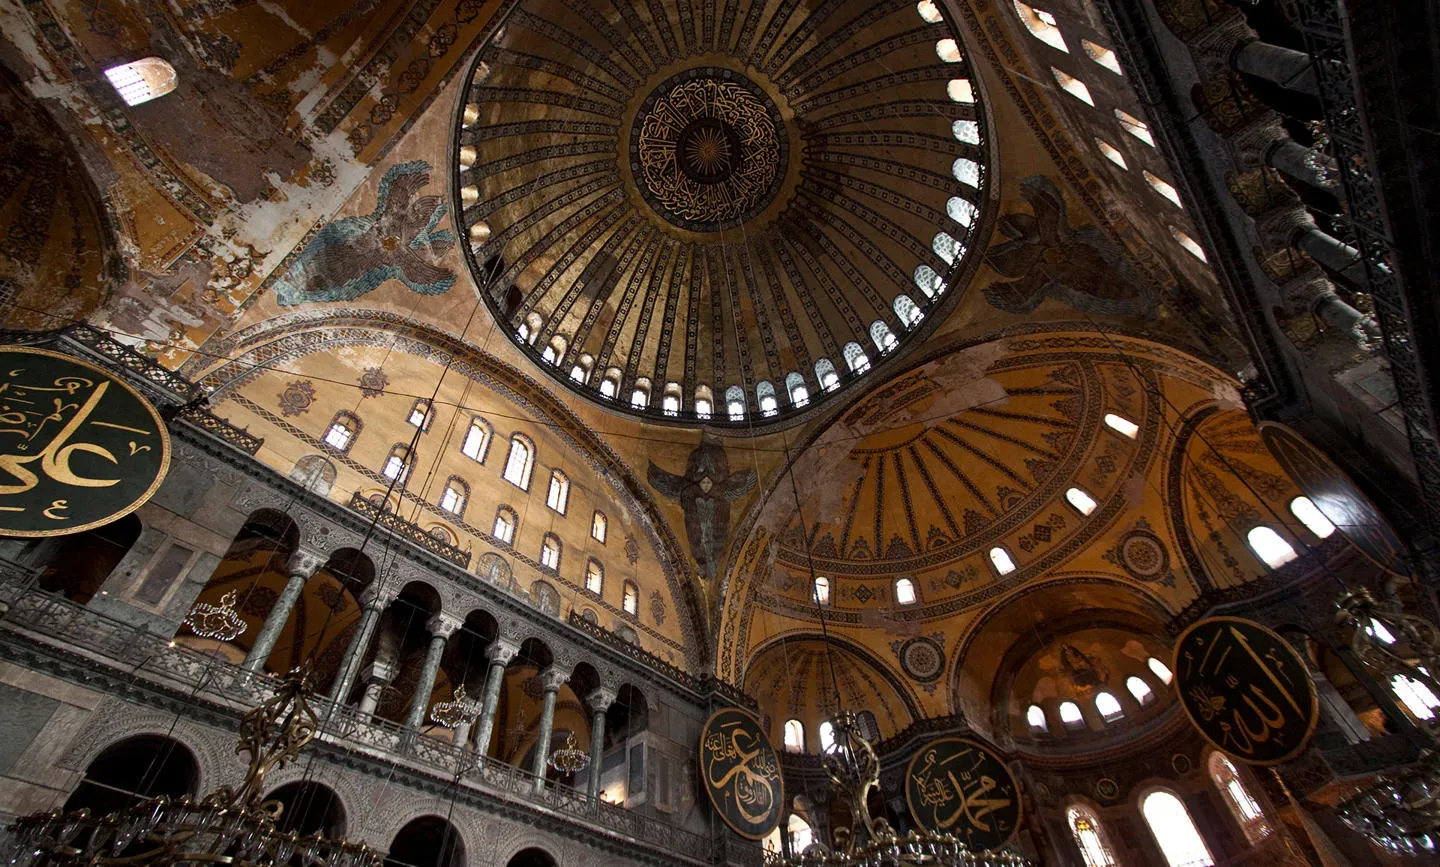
(741, 773)
(708, 149)
(957, 786)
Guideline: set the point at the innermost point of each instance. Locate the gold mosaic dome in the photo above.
(726, 213)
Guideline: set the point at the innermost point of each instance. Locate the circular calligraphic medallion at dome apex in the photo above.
(708, 149)
(1246, 690)
(78, 446)
(958, 786)
(741, 773)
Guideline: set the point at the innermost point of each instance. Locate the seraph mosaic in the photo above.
(399, 240)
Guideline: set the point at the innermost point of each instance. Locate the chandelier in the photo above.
(459, 710)
(854, 769)
(1399, 812)
(220, 622)
(569, 759)
(233, 827)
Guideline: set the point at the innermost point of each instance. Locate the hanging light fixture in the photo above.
(569, 759)
(459, 710)
(233, 827)
(220, 622)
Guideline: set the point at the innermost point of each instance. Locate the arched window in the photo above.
(855, 358)
(765, 398)
(142, 80)
(1121, 425)
(1305, 510)
(960, 90)
(529, 330)
(550, 552)
(520, 461)
(554, 351)
(948, 51)
(1111, 153)
(341, 433)
(1101, 55)
(966, 131)
(1417, 698)
(1160, 670)
(795, 387)
(1190, 245)
(735, 402)
(1108, 706)
(905, 591)
(1174, 830)
(794, 736)
(907, 311)
(477, 440)
(825, 375)
(559, 494)
(928, 281)
(827, 736)
(442, 533)
(670, 401)
(1135, 127)
(610, 384)
(884, 338)
(821, 591)
(594, 576)
(946, 247)
(1042, 26)
(1073, 86)
(1002, 561)
(1378, 630)
(454, 497)
(505, 524)
(960, 210)
(630, 600)
(598, 526)
(1140, 689)
(1086, 830)
(1272, 550)
(1035, 716)
(640, 394)
(421, 414)
(704, 401)
(967, 172)
(397, 465)
(929, 11)
(1242, 804)
(801, 835)
(1163, 188)
(1083, 502)
(581, 371)
(1071, 716)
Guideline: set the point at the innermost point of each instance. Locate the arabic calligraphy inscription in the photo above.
(741, 773)
(960, 787)
(1246, 690)
(78, 447)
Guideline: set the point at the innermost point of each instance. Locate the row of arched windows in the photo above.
(1271, 547)
(793, 733)
(1107, 706)
(1170, 823)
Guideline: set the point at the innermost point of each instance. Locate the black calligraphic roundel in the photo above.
(956, 786)
(1246, 690)
(78, 447)
(742, 773)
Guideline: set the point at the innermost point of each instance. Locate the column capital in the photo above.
(375, 597)
(600, 699)
(305, 563)
(551, 679)
(443, 625)
(501, 651)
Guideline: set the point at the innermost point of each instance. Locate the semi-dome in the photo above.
(722, 214)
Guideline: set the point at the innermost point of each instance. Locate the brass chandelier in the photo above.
(233, 827)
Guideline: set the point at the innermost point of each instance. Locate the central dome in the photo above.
(719, 213)
(708, 149)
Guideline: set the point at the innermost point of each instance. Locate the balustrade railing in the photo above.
(68, 630)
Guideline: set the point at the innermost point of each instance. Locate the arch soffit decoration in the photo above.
(291, 336)
(739, 587)
(894, 679)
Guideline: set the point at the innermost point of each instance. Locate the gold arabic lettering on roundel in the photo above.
(1245, 689)
(741, 773)
(958, 786)
(79, 447)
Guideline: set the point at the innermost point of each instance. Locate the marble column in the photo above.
(1289, 157)
(1292, 70)
(372, 603)
(441, 627)
(499, 654)
(377, 677)
(302, 565)
(600, 701)
(1332, 254)
(550, 681)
